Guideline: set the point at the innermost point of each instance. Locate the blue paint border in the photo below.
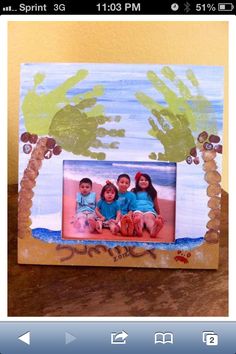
(54, 237)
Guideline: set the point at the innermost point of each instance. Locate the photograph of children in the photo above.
(113, 200)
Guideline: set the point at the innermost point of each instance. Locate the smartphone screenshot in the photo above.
(117, 123)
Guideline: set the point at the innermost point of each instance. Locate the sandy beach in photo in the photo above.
(71, 187)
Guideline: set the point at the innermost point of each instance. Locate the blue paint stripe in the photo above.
(54, 237)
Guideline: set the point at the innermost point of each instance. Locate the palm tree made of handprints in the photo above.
(184, 113)
(54, 122)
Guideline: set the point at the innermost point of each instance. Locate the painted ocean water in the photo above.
(121, 82)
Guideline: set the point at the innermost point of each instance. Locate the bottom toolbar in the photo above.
(117, 337)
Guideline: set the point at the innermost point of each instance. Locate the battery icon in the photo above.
(225, 6)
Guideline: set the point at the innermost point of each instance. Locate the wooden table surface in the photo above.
(98, 291)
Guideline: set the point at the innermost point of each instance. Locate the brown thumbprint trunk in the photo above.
(213, 178)
(27, 184)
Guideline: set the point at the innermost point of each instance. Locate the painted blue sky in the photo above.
(121, 82)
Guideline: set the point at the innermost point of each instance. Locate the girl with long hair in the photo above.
(147, 213)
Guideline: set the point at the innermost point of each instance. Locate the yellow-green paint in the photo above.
(79, 133)
(177, 139)
(75, 123)
(183, 114)
(39, 109)
(200, 107)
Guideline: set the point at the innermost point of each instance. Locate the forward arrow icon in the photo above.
(69, 338)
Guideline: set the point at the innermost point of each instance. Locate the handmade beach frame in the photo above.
(100, 121)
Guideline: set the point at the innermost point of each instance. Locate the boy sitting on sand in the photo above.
(85, 206)
(127, 201)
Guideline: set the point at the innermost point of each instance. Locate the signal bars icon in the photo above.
(8, 9)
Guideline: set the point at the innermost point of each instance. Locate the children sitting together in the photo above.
(118, 209)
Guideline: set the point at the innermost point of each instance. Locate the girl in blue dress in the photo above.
(108, 209)
(147, 211)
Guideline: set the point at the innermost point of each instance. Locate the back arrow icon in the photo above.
(25, 338)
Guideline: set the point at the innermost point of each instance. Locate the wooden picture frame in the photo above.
(111, 119)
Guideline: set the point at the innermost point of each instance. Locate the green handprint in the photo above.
(77, 132)
(74, 123)
(184, 114)
(39, 109)
(171, 136)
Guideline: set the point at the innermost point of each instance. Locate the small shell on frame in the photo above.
(42, 142)
(212, 177)
(23, 212)
(31, 174)
(214, 202)
(24, 203)
(37, 154)
(35, 164)
(214, 214)
(213, 224)
(27, 183)
(26, 193)
(213, 190)
(24, 232)
(24, 223)
(209, 166)
(208, 155)
(212, 236)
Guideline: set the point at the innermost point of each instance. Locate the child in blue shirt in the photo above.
(127, 201)
(108, 209)
(147, 211)
(85, 206)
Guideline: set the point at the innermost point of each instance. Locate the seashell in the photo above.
(214, 213)
(193, 151)
(213, 224)
(214, 202)
(37, 154)
(21, 233)
(23, 212)
(26, 193)
(189, 160)
(35, 164)
(218, 148)
(212, 177)
(24, 223)
(25, 137)
(48, 154)
(50, 143)
(202, 137)
(57, 150)
(208, 155)
(214, 138)
(208, 146)
(27, 148)
(24, 204)
(27, 183)
(213, 190)
(31, 174)
(42, 142)
(212, 236)
(196, 160)
(209, 166)
(24, 232)
(33, 138)
(23, 217)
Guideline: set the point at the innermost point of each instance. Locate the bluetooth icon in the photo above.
(187, 7)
